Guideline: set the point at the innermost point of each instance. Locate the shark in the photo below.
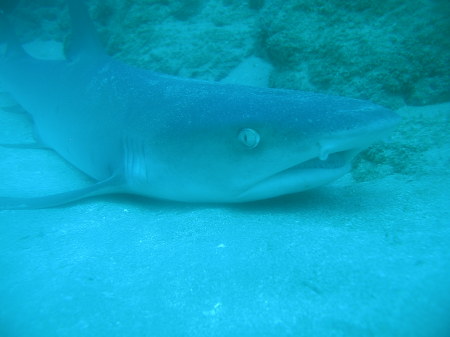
(140, 132)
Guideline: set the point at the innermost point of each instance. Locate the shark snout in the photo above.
(373, 127)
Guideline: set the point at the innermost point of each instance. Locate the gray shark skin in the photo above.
(139, 132)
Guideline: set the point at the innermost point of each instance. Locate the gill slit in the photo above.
(134, 166)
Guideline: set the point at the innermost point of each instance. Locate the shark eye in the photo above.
(249, 138)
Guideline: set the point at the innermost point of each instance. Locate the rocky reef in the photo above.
(391, 51)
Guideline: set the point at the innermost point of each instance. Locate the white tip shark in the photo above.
(139, 132)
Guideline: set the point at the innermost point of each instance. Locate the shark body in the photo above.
(139, 132)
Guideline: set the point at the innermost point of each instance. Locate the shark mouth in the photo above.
(303, 176)
(333, 161)
(316, 171)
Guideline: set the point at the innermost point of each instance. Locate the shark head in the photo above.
(315, 152)
(242, 144)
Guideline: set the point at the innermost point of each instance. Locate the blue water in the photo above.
(366, 256)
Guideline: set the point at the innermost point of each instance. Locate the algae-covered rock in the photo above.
(202, 39)
(190, 38)
(419, 146)
(393, 52)
(390, 51)
(40, 20)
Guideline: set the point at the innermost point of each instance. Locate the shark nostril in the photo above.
(323, 155)
(324, 151)
(334, 160)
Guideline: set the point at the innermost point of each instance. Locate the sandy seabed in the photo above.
(348, 259)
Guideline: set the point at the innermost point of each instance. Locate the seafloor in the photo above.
(366, 256)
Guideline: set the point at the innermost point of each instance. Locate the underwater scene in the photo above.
(224, 168)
